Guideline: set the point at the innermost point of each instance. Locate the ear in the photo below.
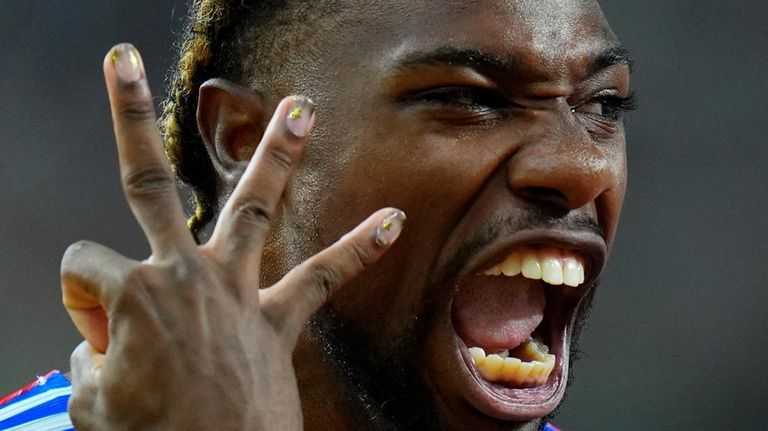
(231, 120)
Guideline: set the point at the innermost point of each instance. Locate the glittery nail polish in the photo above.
(389, 228)
(127, 62)
(299, 118)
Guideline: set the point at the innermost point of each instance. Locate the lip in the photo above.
(512, 404)
(526, 404)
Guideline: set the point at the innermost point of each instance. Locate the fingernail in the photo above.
(299, 119)
(127, 62)
(389, 229)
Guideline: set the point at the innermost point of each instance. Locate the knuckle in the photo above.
(71, 255)
(77, 357)
(148, 181)
(324, 280)
(279, 158)
(252, 211)
(137, 110)
(133, 278)
(128, 290)
(359, 256)
(81, 407)
(185, 270)
(134, 296)
(78, 408)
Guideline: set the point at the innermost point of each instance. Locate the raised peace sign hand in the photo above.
(186, 339)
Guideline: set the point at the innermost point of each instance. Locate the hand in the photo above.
(186, 339)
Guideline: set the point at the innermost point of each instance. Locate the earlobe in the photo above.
(231, 120)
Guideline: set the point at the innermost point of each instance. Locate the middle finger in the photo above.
(241, 231)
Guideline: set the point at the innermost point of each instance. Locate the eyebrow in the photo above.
(451, 56)
(482, 60)
(614, 55)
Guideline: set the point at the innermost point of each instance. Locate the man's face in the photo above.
(493, 124)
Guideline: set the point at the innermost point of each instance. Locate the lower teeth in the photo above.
(531, 365)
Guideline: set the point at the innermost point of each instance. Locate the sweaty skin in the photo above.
(460, 165)
(494, 126)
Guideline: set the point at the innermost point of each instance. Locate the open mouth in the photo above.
(512, 320)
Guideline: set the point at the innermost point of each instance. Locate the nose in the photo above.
(563, 166)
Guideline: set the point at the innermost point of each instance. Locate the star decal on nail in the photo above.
(295, 113)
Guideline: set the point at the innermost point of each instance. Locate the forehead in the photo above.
(545, 35)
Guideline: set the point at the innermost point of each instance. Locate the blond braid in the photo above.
(183, 145)
(233, 39)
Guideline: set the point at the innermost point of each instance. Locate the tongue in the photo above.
(497, 313)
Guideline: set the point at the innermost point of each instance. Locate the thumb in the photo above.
(91, 275)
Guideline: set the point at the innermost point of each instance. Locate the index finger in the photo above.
(148, 183)
(244, 221)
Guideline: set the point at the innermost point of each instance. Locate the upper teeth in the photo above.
(553, 265)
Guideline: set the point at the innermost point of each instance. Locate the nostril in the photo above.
(544, 195)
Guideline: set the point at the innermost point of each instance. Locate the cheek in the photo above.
(432, 178)
(429, 176)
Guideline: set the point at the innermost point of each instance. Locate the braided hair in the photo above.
(233, 39)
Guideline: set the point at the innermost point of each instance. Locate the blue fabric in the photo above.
(40, 406)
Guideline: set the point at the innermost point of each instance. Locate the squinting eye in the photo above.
(606, 106)
(460, 106)
(467, 98)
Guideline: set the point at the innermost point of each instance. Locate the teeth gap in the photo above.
(527, 365)
(503, 353)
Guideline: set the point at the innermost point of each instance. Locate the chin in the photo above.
(491, 349)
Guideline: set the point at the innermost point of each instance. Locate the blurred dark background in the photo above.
(679, 330)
